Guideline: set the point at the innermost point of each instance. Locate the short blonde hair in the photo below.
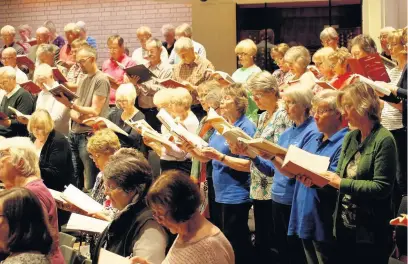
(167, 28)
(104, 142)
(301, 96)
(322, 54)
(181, 97)
(22, 154)
(8, 29)
(298, 52)
(185, 30)
(78, 43)
(396, 36)
(239, 94)
(73, 27)
(246, 46)
(364, 100)
(126, 91)
(41, 118)
(8, 71)
(144, 30)
(281, 49)
(183, 43)
(328, 33)
(341, 54)
(161, 99)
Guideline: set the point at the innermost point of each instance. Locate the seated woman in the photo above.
(133, 232)
(283, 74)
(175, 199)
(338, 61)
(364, 178)
(24, 230)
(361, 46)
(320, 59)
(126, 111)
(177, 103)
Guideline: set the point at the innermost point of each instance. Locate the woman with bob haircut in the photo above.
(364, 178)
(24, 230)
(174, 200)
(282, 74)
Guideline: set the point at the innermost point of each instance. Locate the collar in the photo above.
(158, 66)
(339, 135)
(120, 59)
(305, 123)
(196, 61)
(10, 94)
(240, 120)
(11, 45)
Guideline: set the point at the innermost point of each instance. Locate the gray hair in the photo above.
(22, 154)
(213, 98)
(328, 33)
(301, 95)
(263, 82)
(43, 70)
(157, 42)
(183, 43)
(50, 25)
(25, 27)
(167, 28)
(128, 91)
(8, 71)
(298, 52)
(45, 48)
(365, 42)
(144, 30)
(10, 50)
(72, 27)
(185, 29)
(8, 29)
(81, 25)
(327, 96)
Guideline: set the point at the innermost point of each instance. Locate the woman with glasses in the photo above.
(364, 179)
(282, 74)
(362, 46)
(246, 51)
(342, 75)
(329, 38)
(127, 177)
(320, 59)
(174, 200)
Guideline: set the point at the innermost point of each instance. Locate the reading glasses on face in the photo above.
(83, 60)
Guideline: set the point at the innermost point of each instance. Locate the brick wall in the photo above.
(103, 17)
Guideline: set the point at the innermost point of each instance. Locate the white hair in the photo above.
(328, 33)
(45, 48)
(42, 30)
(43, 70)
(298, 52)
(183, 43)
(22, 154)
(127, 91)
(10, 50)
(8, 71)
(81, 25)
(327, 96)
(263, 82)
(72, 27)
(301, 96)
(144, 30)
(8, 29)
(185, 29)
(322, 54)
(167, 28)
(387, 30)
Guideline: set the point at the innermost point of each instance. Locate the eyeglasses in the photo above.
(241, 54)
(320, 112)
(289, 103)
(83, 60)
(109, 188)
(7, 58)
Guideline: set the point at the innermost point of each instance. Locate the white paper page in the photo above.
(312, 162)
(107, 257)
(81, 200)
(86, 223)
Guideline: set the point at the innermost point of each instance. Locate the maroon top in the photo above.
(48, 203)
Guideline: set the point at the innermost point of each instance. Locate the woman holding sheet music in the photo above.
(365, 177)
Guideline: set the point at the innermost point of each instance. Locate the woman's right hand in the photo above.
(138, 260)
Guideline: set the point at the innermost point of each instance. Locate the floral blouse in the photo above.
(270, 130)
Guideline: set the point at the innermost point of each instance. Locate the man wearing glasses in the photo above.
(93, 92)
(8, 34)
(9, 58)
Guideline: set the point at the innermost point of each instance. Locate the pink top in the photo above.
(48, 203)
(111, 67)
(65, 54)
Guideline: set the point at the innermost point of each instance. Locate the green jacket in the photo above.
(374, 182)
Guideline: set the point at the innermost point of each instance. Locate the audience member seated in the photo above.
(9, 58)
(342, 75)
(93, 92)
(313, 207)
(177, 103)
(75, 73)
(126, 111)
(43, 37)
(231, 186)
(25, 37)
(364, 178)
(246, 51)
(384, 33)
(175, 200)
(20, 168)
(8, 34)
(133, 232)
(83, 34)
(283, 74)
(329, 38)
(146, 90)
(169, 33)
(25, 234)
(298, 105)
(362, 46)
(56, 39)
(16, 97)
(111, 67)
(191, 70)
(322, 63)
(140, 54)
(103, 144)
(72, 32)
(185, 30)
(45, 100)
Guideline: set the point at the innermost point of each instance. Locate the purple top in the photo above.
(48, 203)
(59, 41)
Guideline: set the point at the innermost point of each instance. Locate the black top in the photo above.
(56, 161)
(134, 140)
(23, 102)
(168, 49)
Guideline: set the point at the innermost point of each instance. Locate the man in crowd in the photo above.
(191, 70)
(72, 32)
(111, 67)
(93, 92)
(16, 97)
(140, 54)
(43, 36)
(9, 58)
(185, 30)
(8, 35)
(169, 34)
(83, 34)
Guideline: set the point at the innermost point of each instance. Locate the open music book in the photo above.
(218, 122)
(388, 63)
(179, 131)
(59, 88)
(376, 85)
(19, 114)
(81, 200)
(24, 60)
(107, 257)
(170, 83)
(31, 87)
(145, 130)
(370, 66)
(101, 122)
(59, 77)
(298, 161)
(138, 70)
(261, 145)
(221, 75)
(84, 223)
(324, 84)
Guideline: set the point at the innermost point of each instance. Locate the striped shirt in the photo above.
(391, 118)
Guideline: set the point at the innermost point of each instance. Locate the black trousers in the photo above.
(184, 166)
(198, 111)
(264, 227)
(233, 223)
(318, 252)
(289, 247)
(213, 207)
